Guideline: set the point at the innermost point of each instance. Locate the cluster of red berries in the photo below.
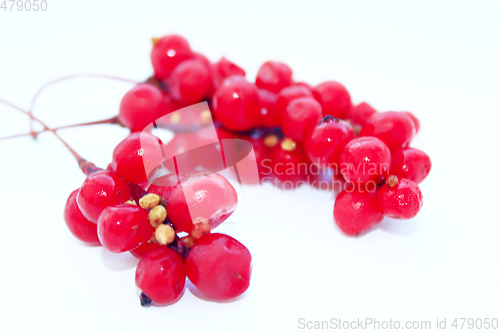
(291, 125)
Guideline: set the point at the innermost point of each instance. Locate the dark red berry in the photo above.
(219, 266)
(334, 99)
(236, 104)
(274, 76)
(181, 146)
(411, 163)
(161, 275)
(124, 227)
(395, 129)
(100, 190)
(136, 156)
(289, 94)
(415, 120)
(190, 82)
(145, 248)
(167, 53)
(142, 105)
(327, 140)
(402, 201)
(164, 185)
(357, 210)
(300, 118)
(268, 115)
(289, 164)
(79, 226)
(360, 113)
(224, 69)
(201, 198)
(365, 159)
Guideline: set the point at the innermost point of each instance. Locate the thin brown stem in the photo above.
(113, 120)
(86, 166)
(69, 77)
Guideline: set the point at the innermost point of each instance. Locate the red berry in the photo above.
(201, 198)
(402, 201)
(411, 163)
(364, 160)
(327, 141)
(145, 248)
(136, 156)
(356, 211)
(142, 105)
(161, 275)
(274, 76)
(124, 227)
(300, 118)
(414, 119)
(203, 59)
(334, 99)
(164, 185)
(360, 113)
(303, 84)
(79, 226)
(190, 82)
(395, 129)
(289, 163)
(169, 105)
(168, 52)
(219, 266)
(100, 190)
(289, 94)
(224, 69)
(236, 104)
(181, 147)
(268, 115)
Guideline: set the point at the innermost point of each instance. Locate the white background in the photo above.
(438, 59)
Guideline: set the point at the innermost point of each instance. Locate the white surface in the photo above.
(437, 59)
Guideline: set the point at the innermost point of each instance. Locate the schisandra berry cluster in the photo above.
(289, 124)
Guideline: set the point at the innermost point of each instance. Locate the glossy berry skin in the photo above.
(100, 190)
(289, 94)
(224, 69)
(360, 113)
(274, 76)
(190, 81)
(365, 159)
(415, 120)
(219, 266)
(124, 227)
(356, 210)
(79, 226)
(236, 104)
(334, 99)
(395, 129)
(164, 185)
(327, 140)
(131, 155)
(145, 248)
(181, 146)
(268, 115)
(300, 118)
(289, 167)
(140, 106)
(161, 275)
(402, 201)
(167, 53)
(201, 198)
(411, 163)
